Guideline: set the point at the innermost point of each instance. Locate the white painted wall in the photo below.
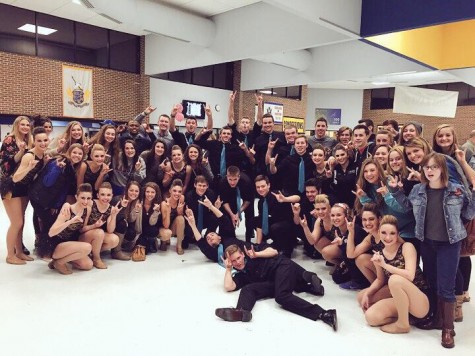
(349, 101)
(165, 94)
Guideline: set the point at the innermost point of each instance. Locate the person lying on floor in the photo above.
(214, 244)
(271, 275)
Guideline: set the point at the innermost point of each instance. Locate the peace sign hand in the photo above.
(338, 240)
(383, 190)
(227, 262)
(359, 192)
(250, 253)
(350, 224)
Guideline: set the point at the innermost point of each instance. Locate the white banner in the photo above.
(276, 110)
(77, 92)
(427, 102)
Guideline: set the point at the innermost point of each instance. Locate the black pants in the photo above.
(282, 234)
(288, 278)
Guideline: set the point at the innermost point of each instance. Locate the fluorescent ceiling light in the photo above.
(41, 30)
(269, 92)
(77, 2)
(380, 83)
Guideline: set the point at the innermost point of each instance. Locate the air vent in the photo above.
(161, 34)
(111, 18)
(87, 4)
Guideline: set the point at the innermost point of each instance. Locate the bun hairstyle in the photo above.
(84, 188)
(389, 220)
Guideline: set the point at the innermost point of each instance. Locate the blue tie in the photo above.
(220, 255)
(200, 217)
(238, 201)
(222, 164)
(190, 140)
(292, 151)
(313, 223)
(301, 175)
(245, 141)
(265, 217)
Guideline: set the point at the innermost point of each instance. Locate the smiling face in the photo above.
(388, 234)
(337, 215)
(48, 127)
(41, 142)
(175, 192)
(311, 192)
(371, 174)
(201, 188)
(341, 157)
(129, 150)
(414, 154)
(383, 139)
(267, 124)
(318, 156)
(262, 188)
(159, 149)
(83, 199)
(76, 132)
(225, 135)
(177, 156)
(300, 146)
(213, 239)
(193, 154)
(344, 137)
(98, 156)
(320, 129)
(360, 139)
(133, 127)
(322, 210)
(24, 126)
(104, 195)
(409, 132)
(395, 161)
(290, 135)
(76, 155)
(190, 125)
(370, 222)
(163, 123)
(445, 138)
(238, 260)
(109, 135)
(133, 192)
(150, 194)
(381, 155)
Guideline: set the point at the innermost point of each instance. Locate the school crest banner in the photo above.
(77, 92)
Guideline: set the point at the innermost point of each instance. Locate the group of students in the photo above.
(360, 201)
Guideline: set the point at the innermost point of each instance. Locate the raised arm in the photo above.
(231, 120)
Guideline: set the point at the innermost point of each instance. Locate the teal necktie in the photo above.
(265, 217)
(222, 163)
(190, 140)
(238, 201)
(292, 150)
(301, 175)
(200, 217)
(245, 141)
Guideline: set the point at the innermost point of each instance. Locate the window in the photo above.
(59, 44)
(382, 98)
(12, 39)
(294, 92)
(91, 45)
(124, 52)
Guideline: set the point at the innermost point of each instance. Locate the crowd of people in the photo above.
(373, 205)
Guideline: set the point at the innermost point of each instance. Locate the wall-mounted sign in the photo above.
(295, 121)
(276, 110)
(333, 116)
(77, 92)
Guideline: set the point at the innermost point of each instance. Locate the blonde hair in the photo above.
(28, 138)
(322, 199)
(389, 220)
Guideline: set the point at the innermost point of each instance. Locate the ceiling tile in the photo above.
(45, 6)
(74, 12)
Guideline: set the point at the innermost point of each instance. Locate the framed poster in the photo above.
(276, 110)
(333, 116)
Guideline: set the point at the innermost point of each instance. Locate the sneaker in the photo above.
(233, 314)
(351, 285)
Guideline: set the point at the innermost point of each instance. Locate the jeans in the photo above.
(440, 261)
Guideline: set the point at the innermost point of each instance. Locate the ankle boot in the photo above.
(329, 317)
(448, 332)
(116, 252)
(458, 308)
(434, 321)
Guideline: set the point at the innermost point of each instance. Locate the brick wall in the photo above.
(463, 122)
(246, 101)
(30, 85)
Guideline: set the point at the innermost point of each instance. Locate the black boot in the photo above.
(233, 314)
(329, 317)
(435, 320)
(315, 283)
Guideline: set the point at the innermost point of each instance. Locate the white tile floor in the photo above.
(166, 305)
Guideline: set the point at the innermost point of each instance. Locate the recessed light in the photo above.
(41, 30)
(77, 2)
(269, 92)
(380, 83)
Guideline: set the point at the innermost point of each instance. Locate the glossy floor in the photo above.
(166, 305)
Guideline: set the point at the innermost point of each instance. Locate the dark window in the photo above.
(382, 98)
(124, 52)
(294, 92)
(59, 44)
(279, 92)
(11, 38)
(203, 76)
(91, 45)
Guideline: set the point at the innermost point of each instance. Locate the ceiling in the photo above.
(280, 43)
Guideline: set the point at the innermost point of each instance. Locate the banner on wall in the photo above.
(77, 92)
(295, 121)
(276, 110)
(333, 116)
(427, 102)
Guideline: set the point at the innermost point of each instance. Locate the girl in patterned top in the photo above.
(100, 226)
(64, 233)
(401, 280)
(94, 170)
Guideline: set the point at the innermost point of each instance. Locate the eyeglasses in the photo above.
(432, 168)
